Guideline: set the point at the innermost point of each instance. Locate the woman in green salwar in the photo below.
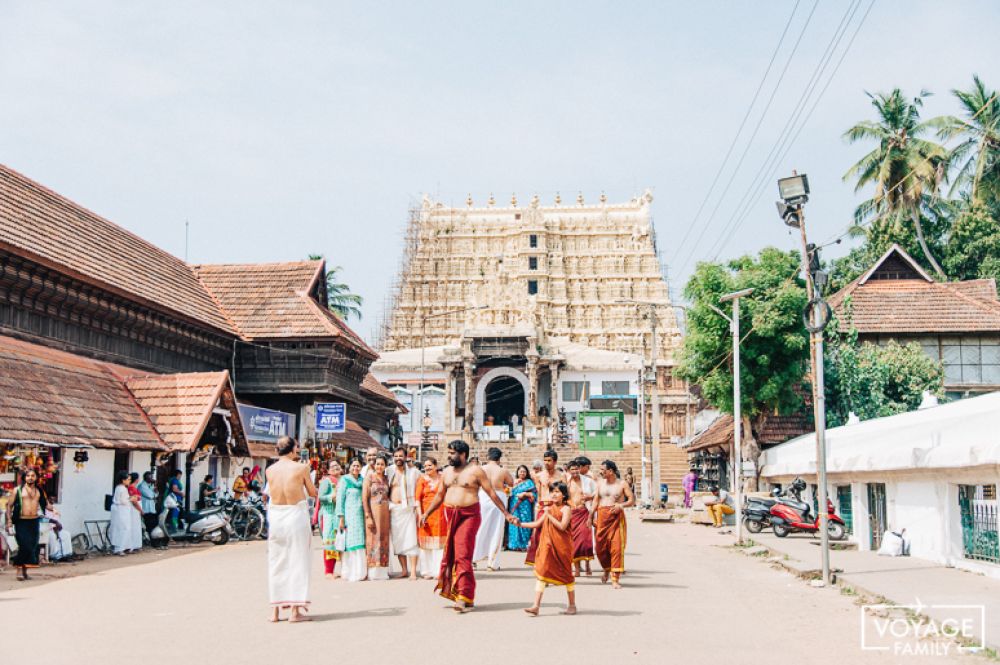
(351, 518)
(328, 515)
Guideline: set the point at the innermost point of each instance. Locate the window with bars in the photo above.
(967, 360)
(532, 263)
(532, 287)
(532, 240)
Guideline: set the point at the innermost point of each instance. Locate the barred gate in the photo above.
(978, 506)
(844, 507)
(876, 513)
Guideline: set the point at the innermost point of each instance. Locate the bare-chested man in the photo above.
(459, 491)
(579, 503)
(489, 540)
(289, 531)
(613, 497)
(548, 475)
(24, 513)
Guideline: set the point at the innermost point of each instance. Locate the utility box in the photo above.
(601, 429)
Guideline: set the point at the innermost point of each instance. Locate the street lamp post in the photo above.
(794, 192)
(734, 328)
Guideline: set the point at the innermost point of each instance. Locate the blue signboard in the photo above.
(331, 417)
(266, 424)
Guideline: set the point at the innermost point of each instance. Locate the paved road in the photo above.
(687, 599)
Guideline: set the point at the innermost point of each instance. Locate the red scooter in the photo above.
(792, 514)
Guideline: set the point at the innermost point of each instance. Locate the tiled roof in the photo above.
(179, 405)
(777, 429)
(53, 397)
(354, 437)
(274, 301)
(916, 305)
(372, 385)
(38, 223)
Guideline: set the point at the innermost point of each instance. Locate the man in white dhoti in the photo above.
(489, 539)
(289, 533)
(403, 513)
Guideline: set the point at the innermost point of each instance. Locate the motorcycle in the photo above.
(199, 525)
(790, 515)
(757, 511)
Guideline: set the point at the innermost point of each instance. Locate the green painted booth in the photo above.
(601, 429)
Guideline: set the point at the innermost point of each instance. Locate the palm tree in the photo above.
(907, 170)
(339, 298)
(979, 151)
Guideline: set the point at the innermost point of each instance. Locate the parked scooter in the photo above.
(792, 514)
(211, 525)
(757, 511)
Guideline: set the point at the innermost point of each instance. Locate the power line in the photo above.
(746, 149)
(732, 145)
(784, 143)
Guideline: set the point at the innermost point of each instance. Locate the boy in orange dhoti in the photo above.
(554, 556)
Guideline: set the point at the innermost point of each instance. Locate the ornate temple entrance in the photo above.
(504, 398)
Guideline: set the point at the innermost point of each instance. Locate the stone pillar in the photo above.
(470, 395)
(554, 391)
(449, 399)
(532, 389)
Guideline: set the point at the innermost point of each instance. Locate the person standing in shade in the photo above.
(147, 501)
(135, 519)
(289, 532)
(610, 534)
(351, 519)
(327, 516)
(523, 497)
(375, 500)
(431, 535)
(689, 482)
(120, 529)
(24, 513)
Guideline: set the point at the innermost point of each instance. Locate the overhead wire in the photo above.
(739, 130)
(753, 135)
(787, 136)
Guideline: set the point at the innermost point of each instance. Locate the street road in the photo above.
(688, 599)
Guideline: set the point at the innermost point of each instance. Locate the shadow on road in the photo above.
(361, 614)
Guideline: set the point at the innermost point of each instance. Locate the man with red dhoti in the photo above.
(583, 538)
(613, 497)
(548, 475)
(459, 492)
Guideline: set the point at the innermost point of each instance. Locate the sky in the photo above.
(281, 129)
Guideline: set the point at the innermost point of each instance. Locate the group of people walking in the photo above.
(439, 523)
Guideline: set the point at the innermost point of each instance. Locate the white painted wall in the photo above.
(82, 495)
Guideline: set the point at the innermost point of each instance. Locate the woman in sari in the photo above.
(375, 500)
(135, 520)
(432, 535)
(522, 506)
(351, 516)
(327, 516)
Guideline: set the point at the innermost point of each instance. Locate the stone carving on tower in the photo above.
(562, 271)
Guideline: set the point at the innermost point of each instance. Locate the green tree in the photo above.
(873, 381)
(339, 297)
(973, 249)
(977, 157)
(774, 347)
(905, 168)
